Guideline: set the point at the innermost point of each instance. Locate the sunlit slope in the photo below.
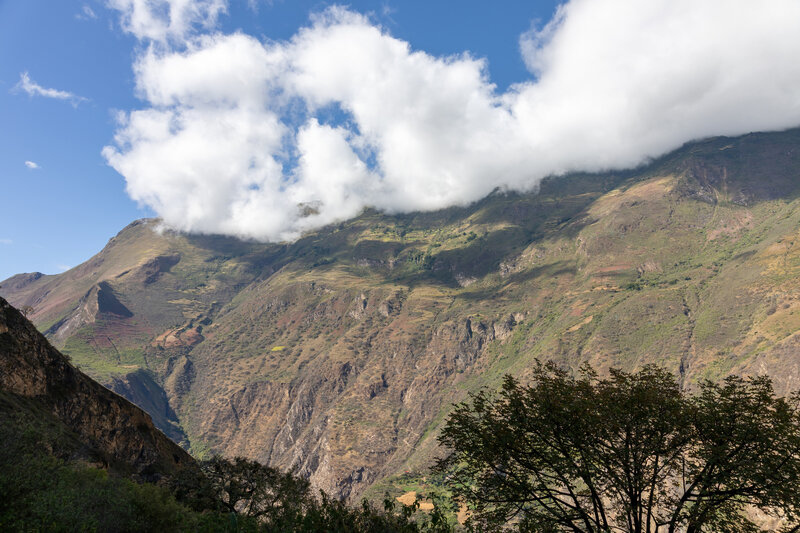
(341, 353)
(141, 301)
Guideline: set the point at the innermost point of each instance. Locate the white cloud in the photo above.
(87, 13)
(62, 267)
(32, 88)
(167, 20)
(238, 136)
(620, 81)
(31, 165)
(6, 241)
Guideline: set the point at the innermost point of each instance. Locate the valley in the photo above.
(341, 354)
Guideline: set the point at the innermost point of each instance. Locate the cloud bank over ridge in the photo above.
(241, 136)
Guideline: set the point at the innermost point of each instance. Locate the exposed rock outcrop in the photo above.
(152, 269)
(117, 431)
(140, 388)
(99, 302)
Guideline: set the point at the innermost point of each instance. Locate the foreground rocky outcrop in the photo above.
(112, 430)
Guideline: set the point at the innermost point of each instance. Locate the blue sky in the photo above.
(58, 215)
(228, 116)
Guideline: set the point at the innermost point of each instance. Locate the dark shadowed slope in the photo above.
(104, 427)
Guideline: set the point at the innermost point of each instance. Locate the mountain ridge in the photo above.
(339, 354)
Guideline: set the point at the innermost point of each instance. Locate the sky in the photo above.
(235, 116)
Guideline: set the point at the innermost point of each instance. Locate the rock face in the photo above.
(140, 388)
(116, 431)
(341, 354)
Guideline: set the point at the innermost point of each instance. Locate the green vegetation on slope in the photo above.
(44, 493)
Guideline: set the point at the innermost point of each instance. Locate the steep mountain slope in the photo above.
(39, 383)
(341, 353)
(142, 293)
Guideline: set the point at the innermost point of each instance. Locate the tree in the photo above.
(244, 487)
(631, 452)
(262, 498)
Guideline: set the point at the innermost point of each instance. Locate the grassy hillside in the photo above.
(341, 353)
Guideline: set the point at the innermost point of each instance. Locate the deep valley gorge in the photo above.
(340, 355)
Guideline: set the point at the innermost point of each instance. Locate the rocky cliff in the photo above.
(112, 430)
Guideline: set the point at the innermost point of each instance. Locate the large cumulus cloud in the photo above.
(269, 139)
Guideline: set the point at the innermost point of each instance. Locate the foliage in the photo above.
(631, 452)
(244, 487)
(41, 492)
(280, 501)
(44, 493)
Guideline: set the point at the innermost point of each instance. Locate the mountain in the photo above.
(340, 354)
(39, 386)
(75, 456)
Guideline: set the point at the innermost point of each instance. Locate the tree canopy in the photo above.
(630, 452)
(261, 498)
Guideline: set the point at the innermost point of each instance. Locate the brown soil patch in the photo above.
(578, 308)
(579, 325)
(173, 338)
(463, 513)
(648, 190)
(733, 224)
(614, 268)
(410, 497)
